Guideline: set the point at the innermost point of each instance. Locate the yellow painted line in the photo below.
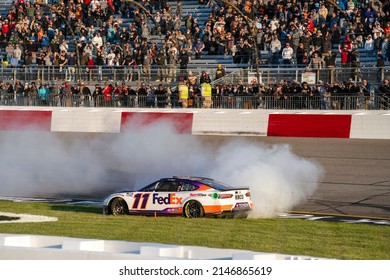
(339, 215)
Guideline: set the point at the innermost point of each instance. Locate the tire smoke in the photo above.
(69, 165)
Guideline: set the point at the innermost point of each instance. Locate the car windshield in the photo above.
(149, 188)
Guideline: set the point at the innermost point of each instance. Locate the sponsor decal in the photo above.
(167, 199)
(242, 205)
(198, 194)
(214, 195)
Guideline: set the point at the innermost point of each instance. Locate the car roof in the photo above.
(192, 178)
(204, 180)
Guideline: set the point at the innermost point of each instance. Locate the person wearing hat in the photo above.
(319, 91)
(220, 72)
(198, 48)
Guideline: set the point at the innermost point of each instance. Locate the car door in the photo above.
(165, 199)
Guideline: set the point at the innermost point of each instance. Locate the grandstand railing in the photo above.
(289, 102)
(267, 76)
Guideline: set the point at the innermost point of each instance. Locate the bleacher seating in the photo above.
(208, 62)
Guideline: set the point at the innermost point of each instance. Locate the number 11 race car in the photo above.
(191, 197)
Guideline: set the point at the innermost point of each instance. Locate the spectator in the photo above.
(326, 43)
(192, 78)
(97, 41)
(369, 44)
(62, 61)
(380, 65)
(43, 93)
(107, 94)
(385, 48)
(206, 95)
(246, 50)
(71, 66)
(300, 55)
(335, 32)
(204, 78)
(172, 61)
(184, 59)
(330, 64)
(384, 88)
(213, 46)
(162, 66)
(315, 62)
(220, 72)
(345, 56)
(183, 93)
(287, 54)
(127, 63)
(161, 96)
(9, 50)
(90, 66)
(275, 47)
(17, 55)
(198, 48)
(64, 46)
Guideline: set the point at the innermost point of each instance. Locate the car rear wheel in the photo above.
(193, 209)
(119, 207)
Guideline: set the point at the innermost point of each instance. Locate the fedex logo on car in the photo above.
(167, 199)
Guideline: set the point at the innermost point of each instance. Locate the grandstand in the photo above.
(268, 71)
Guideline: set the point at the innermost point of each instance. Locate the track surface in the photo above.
(357, 173)
(357, 178)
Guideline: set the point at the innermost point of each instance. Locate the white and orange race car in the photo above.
(191, 197)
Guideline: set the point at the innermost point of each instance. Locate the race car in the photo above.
(191, 197)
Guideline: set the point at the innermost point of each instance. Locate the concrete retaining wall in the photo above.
(325, 124)
(30, 247)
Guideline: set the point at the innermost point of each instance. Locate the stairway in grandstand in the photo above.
(201, 13)
(206, 62)
(4, 6)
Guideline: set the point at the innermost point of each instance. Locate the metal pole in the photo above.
(142, 8)
(252, 35)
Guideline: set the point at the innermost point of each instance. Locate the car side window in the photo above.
(186, 187)
(167, 186)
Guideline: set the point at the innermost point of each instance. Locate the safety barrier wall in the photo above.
(40, 247)
(283, 123)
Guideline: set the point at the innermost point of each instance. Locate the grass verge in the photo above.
(285, 236)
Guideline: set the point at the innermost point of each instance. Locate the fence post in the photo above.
(268, 77)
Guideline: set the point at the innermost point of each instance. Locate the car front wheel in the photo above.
(119, 207)
(193, 209)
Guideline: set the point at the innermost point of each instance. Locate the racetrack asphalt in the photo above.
(356, 183)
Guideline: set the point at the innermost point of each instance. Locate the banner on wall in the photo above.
(252, 78)
(309, 77)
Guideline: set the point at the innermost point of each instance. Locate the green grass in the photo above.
(286, 236)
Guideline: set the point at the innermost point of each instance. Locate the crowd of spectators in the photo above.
(288, 29)
(282, 95)
(301, 32)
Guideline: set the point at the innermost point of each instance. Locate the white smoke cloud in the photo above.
(279, 180)
(39, 163)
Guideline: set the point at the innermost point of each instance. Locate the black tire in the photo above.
(193, 209)
(119, 207)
